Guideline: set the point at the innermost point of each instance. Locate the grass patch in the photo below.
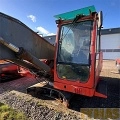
(7, 113)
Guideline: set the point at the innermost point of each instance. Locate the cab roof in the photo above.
(72, 14)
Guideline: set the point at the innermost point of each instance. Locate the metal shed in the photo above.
(110, 43)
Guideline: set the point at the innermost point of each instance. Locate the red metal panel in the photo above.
(74, 89)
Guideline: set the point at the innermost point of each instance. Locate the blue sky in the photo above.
(38, 14)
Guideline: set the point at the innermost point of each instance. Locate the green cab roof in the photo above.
(71, 15)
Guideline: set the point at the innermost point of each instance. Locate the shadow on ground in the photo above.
(113, 100)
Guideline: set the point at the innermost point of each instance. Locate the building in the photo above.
(51, 39)
(110, 42)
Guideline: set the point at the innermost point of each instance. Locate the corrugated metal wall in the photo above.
(110, 44)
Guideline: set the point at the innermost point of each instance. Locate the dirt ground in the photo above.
(109, 69)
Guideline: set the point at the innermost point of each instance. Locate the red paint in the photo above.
(117, 61)
(88, 88)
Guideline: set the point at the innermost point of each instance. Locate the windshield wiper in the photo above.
(77, 18)
(72, 25)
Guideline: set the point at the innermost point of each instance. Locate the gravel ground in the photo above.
(36, 109)
(14, 94)
(81, 107)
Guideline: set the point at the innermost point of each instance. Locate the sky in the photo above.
(39, 14)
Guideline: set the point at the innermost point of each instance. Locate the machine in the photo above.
(70, 67)
(7, 70)
(11, 71)
(117, 61)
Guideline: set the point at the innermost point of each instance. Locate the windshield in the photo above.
(74, 43)
(74, 50)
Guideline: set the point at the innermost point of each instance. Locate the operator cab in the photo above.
(74, 51)
(78, 58)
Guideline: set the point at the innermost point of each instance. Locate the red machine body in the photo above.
(93, 65)
(9, 70)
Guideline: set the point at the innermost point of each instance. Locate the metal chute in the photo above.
(14, 34)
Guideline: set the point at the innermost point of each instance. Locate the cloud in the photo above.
(43, 31)
(50, 34)
(32, 17)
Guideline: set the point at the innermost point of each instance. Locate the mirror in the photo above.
(100, 19)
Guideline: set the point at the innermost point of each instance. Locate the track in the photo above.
(17, 84)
